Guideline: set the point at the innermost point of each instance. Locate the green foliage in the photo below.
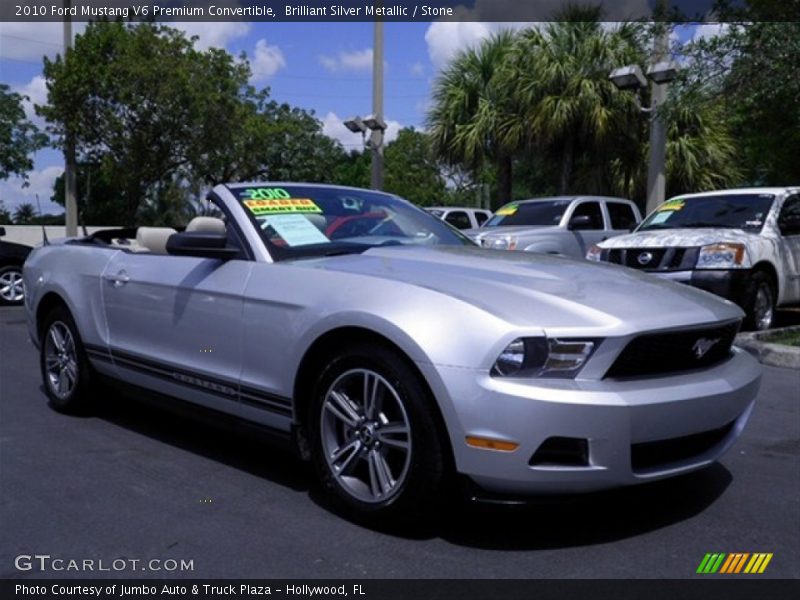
(5, 215)
(19, 138)
(411, 171)
(24, 214)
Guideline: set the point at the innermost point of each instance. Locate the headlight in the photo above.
(505, 242)
(595, 253)
(543, 357)
(724, 255)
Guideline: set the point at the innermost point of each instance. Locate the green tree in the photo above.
(411, 170)
(471, 104)
(98, 202)
(5, 215)
(19, 138)
(24, 214)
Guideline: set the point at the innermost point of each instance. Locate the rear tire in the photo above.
(12, 292)
(759, 302)
(374, 438)
(65, 369)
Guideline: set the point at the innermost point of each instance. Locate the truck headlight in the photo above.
(505, 242)
(543, 357)
(725, 255)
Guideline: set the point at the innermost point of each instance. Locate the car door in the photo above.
(593, 231)
(458, 219)
(175, 324)
(789, 226)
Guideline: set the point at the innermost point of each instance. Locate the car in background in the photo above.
(12, 257)
(743, 245)
(460, 217)
(563, 225)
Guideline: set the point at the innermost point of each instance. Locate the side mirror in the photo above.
(2, 231)
(580, 222)
(202, 244)
(789, 225)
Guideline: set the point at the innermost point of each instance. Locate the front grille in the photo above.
(675, 351)
(654, 259)
(650, 455)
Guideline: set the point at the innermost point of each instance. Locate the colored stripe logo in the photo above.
(733, 563)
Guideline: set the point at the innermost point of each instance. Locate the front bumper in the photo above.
(617, 418)
(730, 284)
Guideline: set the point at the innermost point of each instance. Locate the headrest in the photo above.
(154, 238)
(208, 224)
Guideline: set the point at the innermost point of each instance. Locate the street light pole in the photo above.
(70, 182)
(656, 171)
(376, 137)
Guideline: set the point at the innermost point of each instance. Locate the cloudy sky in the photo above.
(325, 67)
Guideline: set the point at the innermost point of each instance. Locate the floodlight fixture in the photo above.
(662, 72)
(356, 125)
(374, 123)
(629, 77)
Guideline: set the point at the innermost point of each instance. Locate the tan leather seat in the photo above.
(154, 238)
(207, 224)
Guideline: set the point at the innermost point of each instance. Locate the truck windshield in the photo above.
(538, 213)
(305, 221)
(729, 211)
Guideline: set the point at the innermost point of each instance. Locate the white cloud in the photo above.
(266, 61)
(445, 39)
(216, 34)
(36, 92)
(333, 127)
(29, 42)
(41, 182)
(358, 60)
(710, 30)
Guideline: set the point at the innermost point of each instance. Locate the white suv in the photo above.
(741, 244)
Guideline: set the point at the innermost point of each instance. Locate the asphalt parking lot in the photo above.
(136, 482)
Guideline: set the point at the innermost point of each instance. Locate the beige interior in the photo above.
(207, 224)
(154, 239)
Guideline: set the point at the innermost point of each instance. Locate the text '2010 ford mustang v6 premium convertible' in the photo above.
(394, 352)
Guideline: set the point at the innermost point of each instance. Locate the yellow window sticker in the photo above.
(676, 204)
(507, 210)
(281, 206)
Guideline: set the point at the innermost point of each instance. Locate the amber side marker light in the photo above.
(489, 444)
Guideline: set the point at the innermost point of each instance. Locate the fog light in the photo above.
(561, 452)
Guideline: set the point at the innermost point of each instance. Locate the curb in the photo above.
(774, 355)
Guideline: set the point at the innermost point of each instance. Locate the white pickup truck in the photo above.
(741, 244)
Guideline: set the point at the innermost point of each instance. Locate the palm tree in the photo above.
(568, 108)
(24, 214)
(471, 101)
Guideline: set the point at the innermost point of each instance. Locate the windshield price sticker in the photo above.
(296, 230)
(281, 206)
(507, 210)
(672, 205)
(660, 217)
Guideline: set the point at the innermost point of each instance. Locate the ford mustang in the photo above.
(392, 351)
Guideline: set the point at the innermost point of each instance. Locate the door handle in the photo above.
(119, 279)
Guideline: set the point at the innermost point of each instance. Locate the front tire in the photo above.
(760, 302)
(65, 369)
(12, 292)
(375, 442)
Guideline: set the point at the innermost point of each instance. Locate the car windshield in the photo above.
(297, 221)
(541, 212)
(731, 211)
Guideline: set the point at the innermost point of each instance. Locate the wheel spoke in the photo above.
(58, 339)
(72, 370)
(62, 382)
(51, 362)
(371, 395)
(340, 406)
(382, 473)
(349, 452)
(388, 434)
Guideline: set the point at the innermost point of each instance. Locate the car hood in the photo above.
(671, 238)
(538, 290)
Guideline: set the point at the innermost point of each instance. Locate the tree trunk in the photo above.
(504, 173)
(567, 158)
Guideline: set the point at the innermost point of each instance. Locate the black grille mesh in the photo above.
(675, 351)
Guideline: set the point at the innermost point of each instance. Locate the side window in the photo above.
(458, 219)
(789, 218)
(481, 217)
(622, 215)
(591, 210)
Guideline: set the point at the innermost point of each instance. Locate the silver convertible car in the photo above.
(394, 353)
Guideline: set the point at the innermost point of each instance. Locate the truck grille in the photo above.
(675, 351)
(655, 259)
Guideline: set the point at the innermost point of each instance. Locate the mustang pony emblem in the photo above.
(702, 346)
